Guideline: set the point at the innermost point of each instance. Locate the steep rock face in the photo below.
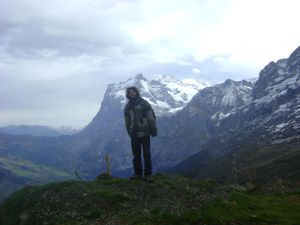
(276, 101)
(263, 133)
(221, 100)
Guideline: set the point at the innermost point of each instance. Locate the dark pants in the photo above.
(136, 145)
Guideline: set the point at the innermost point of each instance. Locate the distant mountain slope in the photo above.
(27, 160)
(30, 130)
(37, 130)
(244, 160)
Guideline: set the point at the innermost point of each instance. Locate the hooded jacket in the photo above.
(140, 118)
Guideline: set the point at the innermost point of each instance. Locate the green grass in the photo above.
(243, 208)
(170, 200)
(32, 171)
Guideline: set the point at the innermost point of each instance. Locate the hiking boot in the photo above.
(136, 177)
(149, 178)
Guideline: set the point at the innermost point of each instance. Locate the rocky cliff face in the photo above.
(275, 105)
(263, 131)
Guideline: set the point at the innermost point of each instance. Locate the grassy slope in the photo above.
(169, 200)
(254, 163)
(32, 171)
(22, 172)
(261, 164)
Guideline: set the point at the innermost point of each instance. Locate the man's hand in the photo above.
(153, 132)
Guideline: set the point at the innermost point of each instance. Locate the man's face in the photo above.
(132, 94)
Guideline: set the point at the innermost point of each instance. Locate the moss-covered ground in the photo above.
(170, 199)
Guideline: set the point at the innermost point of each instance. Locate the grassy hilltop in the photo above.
(170, 199)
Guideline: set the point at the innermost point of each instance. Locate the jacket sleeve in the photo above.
(127, 119)
(151, 120)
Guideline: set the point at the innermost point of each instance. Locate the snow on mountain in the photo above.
(284, 81)
(165, 93)
(275, 105)
(195, 83)
(234, 90)
(221, 100)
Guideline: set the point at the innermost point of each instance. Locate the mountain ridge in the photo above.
(37, 130)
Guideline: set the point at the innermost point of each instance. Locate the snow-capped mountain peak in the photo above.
(165, 93)
(195, 83)
(137, 77)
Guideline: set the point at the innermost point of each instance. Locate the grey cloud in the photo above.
(17, 94)
(57, 57)
(30, 39)
(90, 31)
(211, 70)
(63, 101)
(217, 72)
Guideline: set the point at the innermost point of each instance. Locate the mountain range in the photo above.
(237, 131)
(37, 130)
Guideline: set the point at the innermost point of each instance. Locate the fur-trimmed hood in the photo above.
(132, 88)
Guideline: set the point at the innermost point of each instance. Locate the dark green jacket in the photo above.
(140, 118)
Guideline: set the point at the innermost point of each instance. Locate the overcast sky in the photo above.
(57, 57)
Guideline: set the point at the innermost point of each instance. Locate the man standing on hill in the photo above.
(140, 124)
